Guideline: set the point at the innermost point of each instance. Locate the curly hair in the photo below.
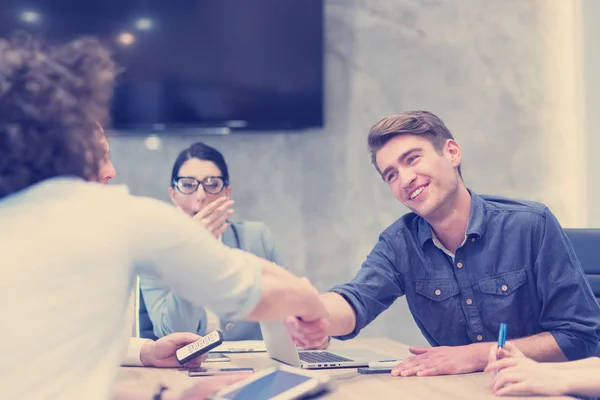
(51, 100)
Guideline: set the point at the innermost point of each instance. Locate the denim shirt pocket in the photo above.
(504, 284)
(503, 301)
(437, 290)
(436, 307)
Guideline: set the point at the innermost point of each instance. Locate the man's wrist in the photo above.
(147, 353)
(481, 352)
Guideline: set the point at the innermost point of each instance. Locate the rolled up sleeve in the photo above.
(570, 311)
(374, 288)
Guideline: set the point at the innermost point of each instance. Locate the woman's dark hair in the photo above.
(201, 151)
(50, 102)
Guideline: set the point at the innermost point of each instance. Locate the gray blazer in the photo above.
(170, 313)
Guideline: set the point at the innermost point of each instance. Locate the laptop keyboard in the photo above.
(320, 356)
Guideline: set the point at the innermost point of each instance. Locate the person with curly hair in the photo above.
(71, 247)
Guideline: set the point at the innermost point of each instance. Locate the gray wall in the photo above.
(591, 63)
(475, 63)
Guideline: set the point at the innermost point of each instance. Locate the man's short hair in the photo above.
(419, 122)
(51, 99)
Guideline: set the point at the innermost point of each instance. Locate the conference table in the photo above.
(347, 383)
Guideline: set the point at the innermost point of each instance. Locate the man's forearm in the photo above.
(342, 318)
(541, 347)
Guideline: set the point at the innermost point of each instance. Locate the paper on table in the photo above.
(241, 346)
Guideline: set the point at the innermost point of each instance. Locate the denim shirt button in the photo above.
(469, 301)
(438, 292)
(459, 264)
(504, 288)
(479, 338)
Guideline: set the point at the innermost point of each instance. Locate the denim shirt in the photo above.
(515, 266)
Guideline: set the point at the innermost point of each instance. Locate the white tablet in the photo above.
(281, 383)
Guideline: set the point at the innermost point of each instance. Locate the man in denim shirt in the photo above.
(465, 262)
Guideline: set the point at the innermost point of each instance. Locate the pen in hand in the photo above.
(501, 338)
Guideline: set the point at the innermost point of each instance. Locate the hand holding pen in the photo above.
(501, 339)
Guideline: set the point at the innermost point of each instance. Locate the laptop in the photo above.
(281, 348)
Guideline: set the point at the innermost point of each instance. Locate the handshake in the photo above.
(309, 325)
(309, 329)
(308, 334)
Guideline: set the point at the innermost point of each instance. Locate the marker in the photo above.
(384, 364)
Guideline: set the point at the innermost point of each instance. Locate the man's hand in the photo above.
(315, 309)
(322, 346)
(214, 215)
(444, 360)
(207, 387)
(309, 329)
(307, 334)
(521, 376)
(161, 353)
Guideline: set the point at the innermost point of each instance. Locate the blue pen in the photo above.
(502, 335)
(501, 338)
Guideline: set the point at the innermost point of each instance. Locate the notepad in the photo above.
(241, 346)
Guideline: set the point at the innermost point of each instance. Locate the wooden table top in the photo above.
(348, 384)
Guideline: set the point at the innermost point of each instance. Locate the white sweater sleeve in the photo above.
(184, 256)
(132, 355)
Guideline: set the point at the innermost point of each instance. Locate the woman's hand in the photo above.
(514, 374)
(215, 214)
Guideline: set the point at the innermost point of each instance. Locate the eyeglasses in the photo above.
(210, 184)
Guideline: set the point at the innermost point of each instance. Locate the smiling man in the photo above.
(465, 263)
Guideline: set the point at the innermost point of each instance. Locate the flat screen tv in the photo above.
(245, 65)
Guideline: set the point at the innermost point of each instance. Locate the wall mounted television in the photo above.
(245, 65)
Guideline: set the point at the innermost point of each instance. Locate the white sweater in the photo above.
(69, 252)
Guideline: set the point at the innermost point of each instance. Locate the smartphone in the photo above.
(217, 357)
(380, 370)
(218, 371)
(199, 347)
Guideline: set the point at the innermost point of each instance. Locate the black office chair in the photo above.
(145, 323)
(586, 243)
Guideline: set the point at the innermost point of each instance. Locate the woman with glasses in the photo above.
(200, 188)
